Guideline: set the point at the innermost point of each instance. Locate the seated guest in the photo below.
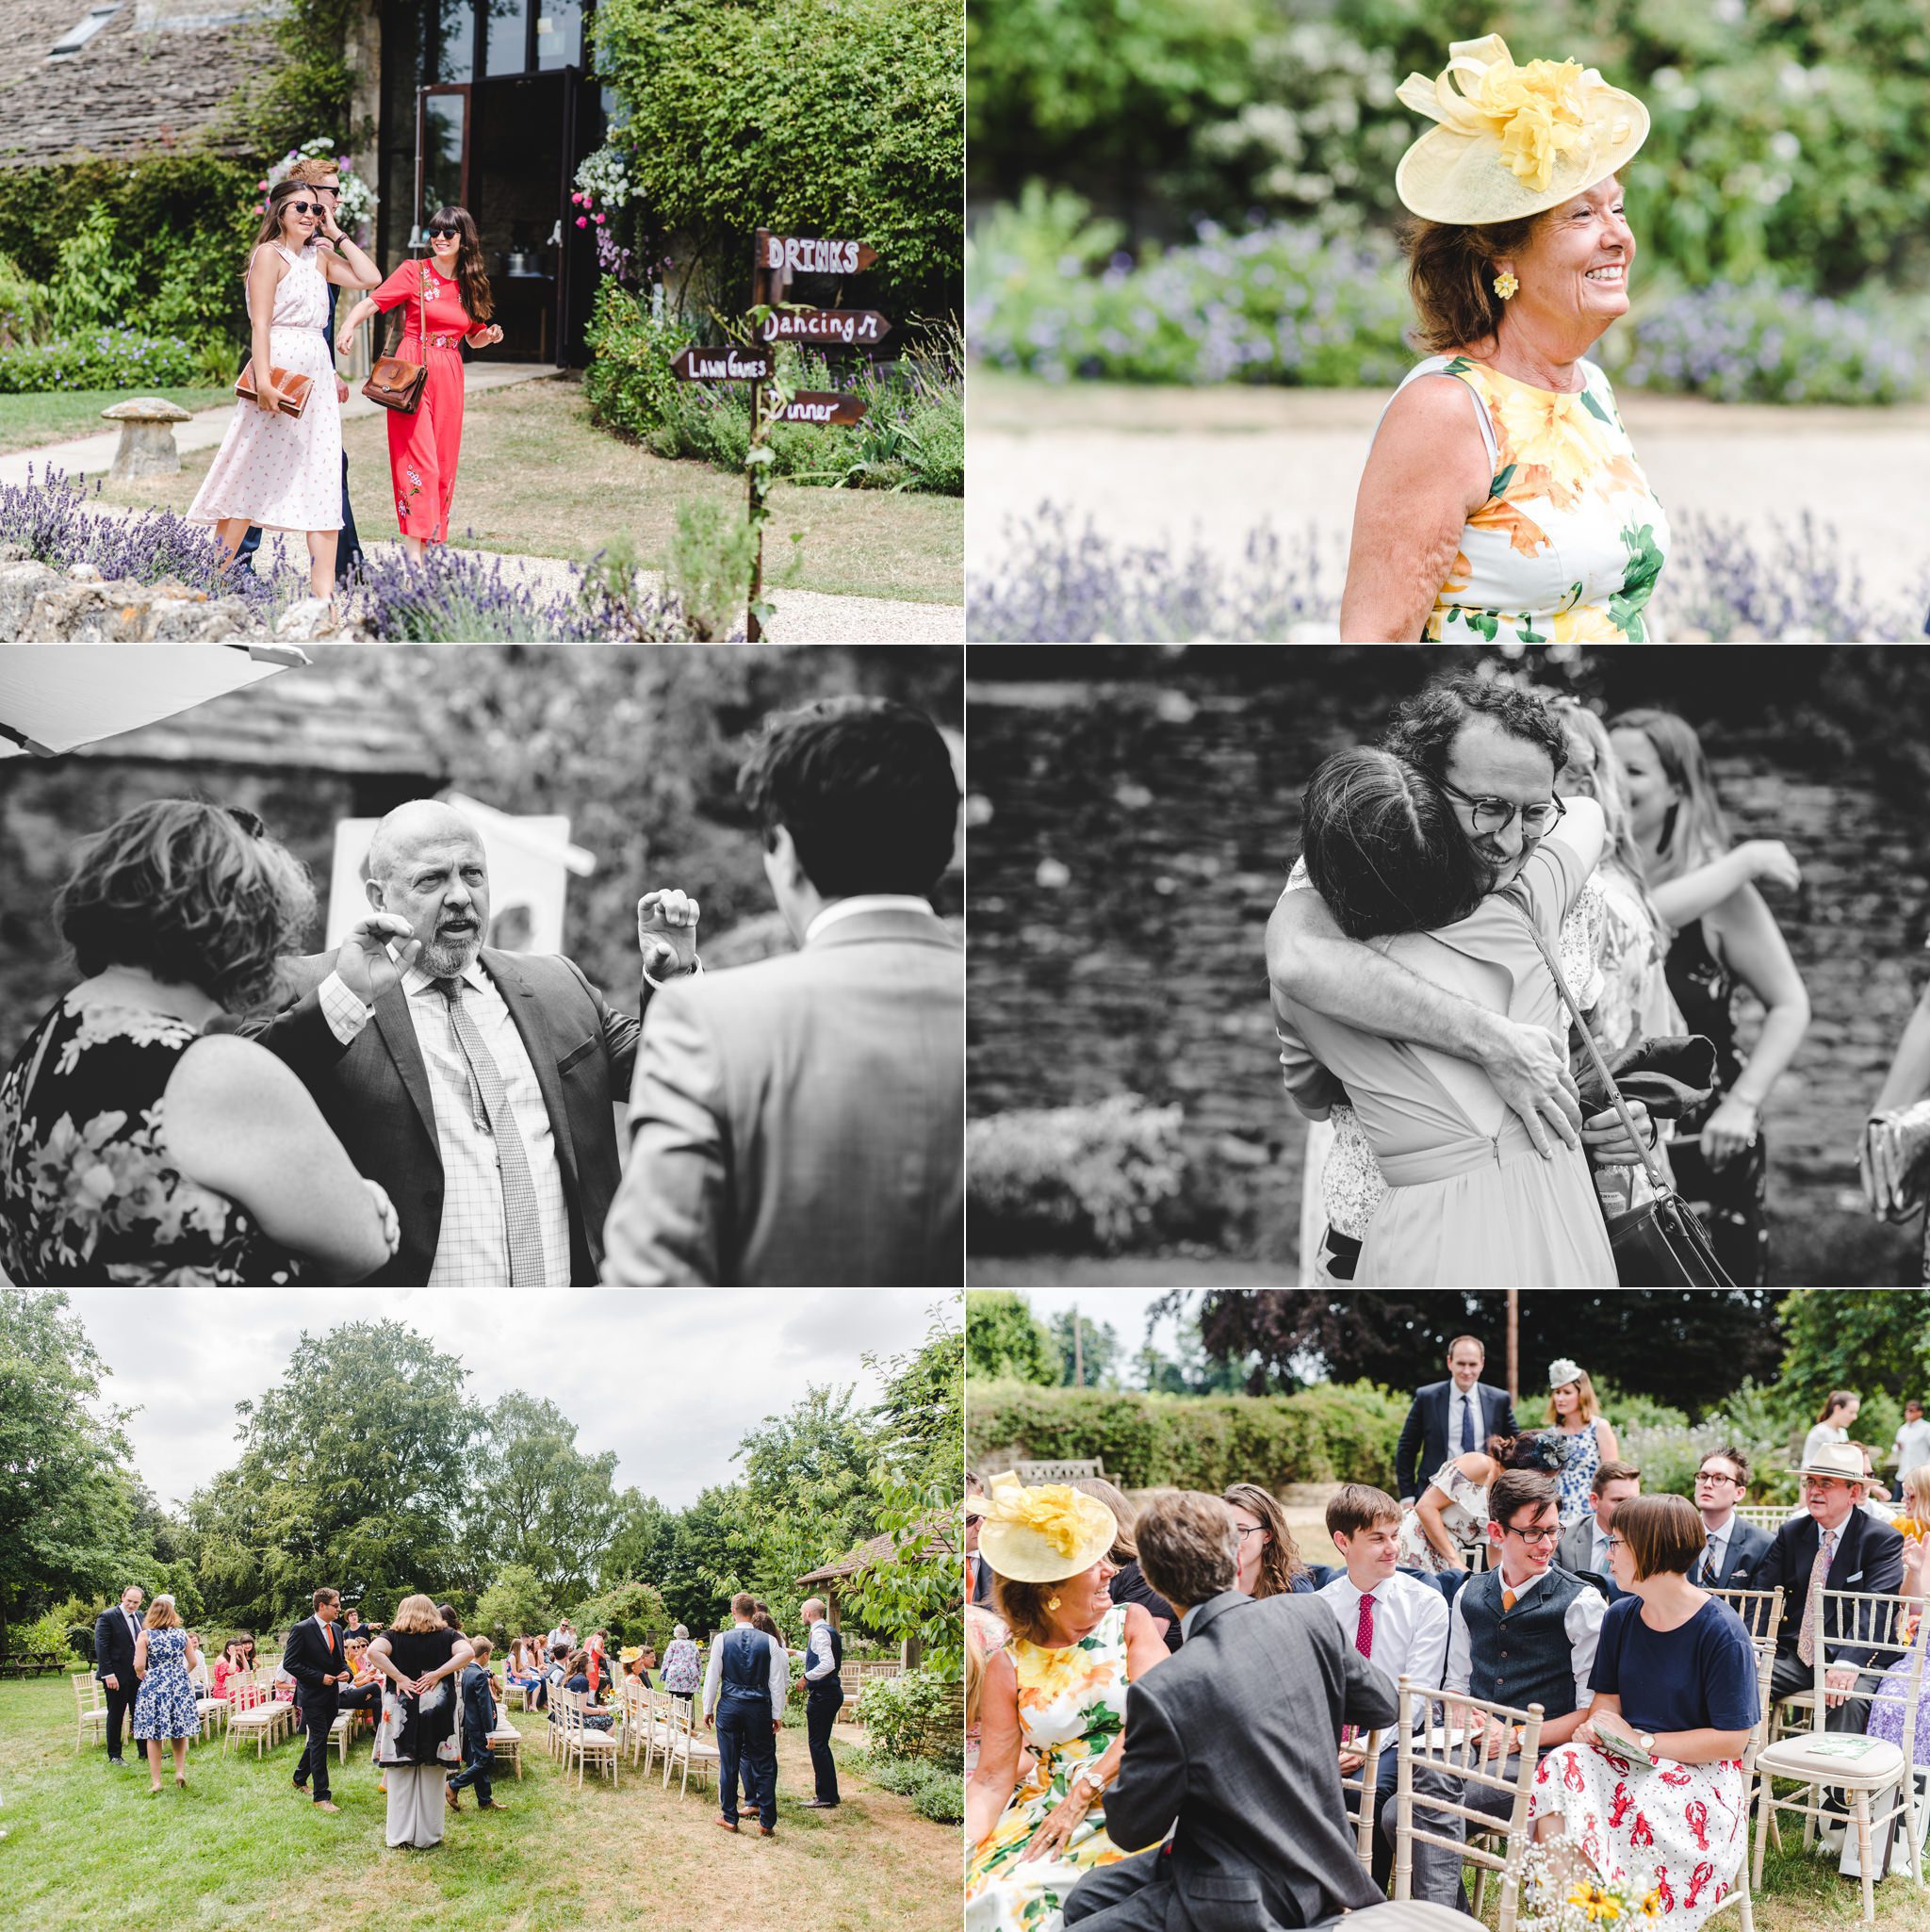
(1835, 1539)
(579, 1681)
(1732, 1549)
(984, 1659)
(199, 1679)
(1675, 1668)
(1397, 1622)
(1130, 1586)
(1890, 1698)
(1269, 1563)
(1260, 1836)
(1521, 1632)
(978, 1578)
(1072, 1651)
(478, 1719)
(1583, 1551)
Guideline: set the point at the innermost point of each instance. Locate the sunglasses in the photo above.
(440, 230)
(307, 208)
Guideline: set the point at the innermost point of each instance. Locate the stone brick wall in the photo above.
(1129, 842)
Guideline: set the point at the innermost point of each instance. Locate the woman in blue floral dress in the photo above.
(134, 1147)
(164, 1711)
(1575, 1417)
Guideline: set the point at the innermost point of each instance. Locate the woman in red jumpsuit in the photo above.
(444, 300)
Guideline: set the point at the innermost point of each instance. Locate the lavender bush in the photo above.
(100, 359)
(1062, 584)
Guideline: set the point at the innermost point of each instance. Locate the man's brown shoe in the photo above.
(728, 1824)
(768, 1831)
(326, 1805)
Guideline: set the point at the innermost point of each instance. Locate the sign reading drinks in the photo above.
(726, 364)
(822, 407)
(802, 254)
(850, 326)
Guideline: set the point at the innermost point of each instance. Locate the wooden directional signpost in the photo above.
(776, 260)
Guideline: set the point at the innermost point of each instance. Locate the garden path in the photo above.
(1148, 464)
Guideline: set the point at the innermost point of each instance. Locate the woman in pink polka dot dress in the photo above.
(285, 472)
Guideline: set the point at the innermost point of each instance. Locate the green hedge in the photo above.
(1327, 1435)
(916, 1716)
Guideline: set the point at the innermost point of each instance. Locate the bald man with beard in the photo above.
(479, 1087)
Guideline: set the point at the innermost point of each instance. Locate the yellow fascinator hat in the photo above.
(1512, 141)
(1042, 1536)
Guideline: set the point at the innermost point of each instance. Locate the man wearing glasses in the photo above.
(1836, 1544)
(1523, 1631)
(1736, 1548)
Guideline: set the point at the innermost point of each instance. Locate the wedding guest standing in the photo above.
(744, 1692)
(279, 470)
(1576, 1416)
(1726, 938)
(445, 302)
(164, 1706)
(682, 1667)
(825, 1697)
(1833, 1421)
(1674, 1667)
(1911, 1448)
(416, 1742)
(479, 1720)
(179, 915)
(1502, 496)
(315, 1659)
(1453, 1417)
(117, 1631)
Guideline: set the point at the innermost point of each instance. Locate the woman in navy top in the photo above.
(1676, 1665)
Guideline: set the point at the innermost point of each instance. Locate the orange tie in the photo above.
(1507, 1599)
(328, 1630)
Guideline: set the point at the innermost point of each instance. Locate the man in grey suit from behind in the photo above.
(1236, 1737)
(800, 1122)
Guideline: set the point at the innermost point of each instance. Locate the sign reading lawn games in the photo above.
(775, 261)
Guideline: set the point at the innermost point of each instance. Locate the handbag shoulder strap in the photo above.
(1588, 1040)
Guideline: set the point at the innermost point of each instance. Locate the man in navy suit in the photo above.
(314, 1659)
(1736, 1548)
(116, 1632)
(1852, 1550)
(1453, 1417)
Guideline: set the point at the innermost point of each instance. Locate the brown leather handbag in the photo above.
(395, 384)
(294, 388)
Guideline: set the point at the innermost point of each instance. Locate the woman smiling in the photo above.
(1501, 497)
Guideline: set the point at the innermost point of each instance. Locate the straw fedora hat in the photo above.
(1044, 1536)
(1842, 1460)
(1512, 141)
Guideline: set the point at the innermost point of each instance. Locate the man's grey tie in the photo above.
(523, 1226)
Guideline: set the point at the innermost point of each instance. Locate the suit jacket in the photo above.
(980, 1572)
(1742, 1559)
(801, 1121)
(375, 1095)
(1424, 1445)
(1869, 1558)
(114, 1648)
(308, 1658)
(1236, 1737)
(1576, 1554)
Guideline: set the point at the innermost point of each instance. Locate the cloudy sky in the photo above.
(669, 1380)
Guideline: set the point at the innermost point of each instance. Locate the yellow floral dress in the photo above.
(1072, 1706)
(1571, 540)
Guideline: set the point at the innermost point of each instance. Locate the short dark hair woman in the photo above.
(445, 302)
(1501, 498)
(132, 1147)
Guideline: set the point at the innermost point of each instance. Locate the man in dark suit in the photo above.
(1736, 1548)
(1583, 1551)
(116, 1632)
(313, 1658)
(476, 1087)
(977, 1571)
(1837, 1539)
(1261, 1838)
(1451, 1418)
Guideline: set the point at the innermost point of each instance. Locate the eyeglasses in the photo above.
(1716, 1476)
(442, 231)
(1251, 1529)
(1497, 815)
(1551, 1534)
(1613, 1542)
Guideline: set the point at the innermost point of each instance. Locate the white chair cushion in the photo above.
(1797, 1756)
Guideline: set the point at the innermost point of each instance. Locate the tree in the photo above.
(1863, 1339)
(1091, 1362)
(1005, 1340)
(540, 1501)
(517, 1604)
(66, 1496)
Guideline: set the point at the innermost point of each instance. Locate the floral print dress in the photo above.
(1072, 1706)
(164, 1706)
(1573, 1480)
(89, 1192)
(1571, 540)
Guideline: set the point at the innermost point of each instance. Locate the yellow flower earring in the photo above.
(1051, 1603)
(1505, 285)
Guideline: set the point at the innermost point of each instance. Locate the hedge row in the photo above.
(1330, 1435)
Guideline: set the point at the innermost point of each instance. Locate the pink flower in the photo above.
(262, 186)
(583, 221)
(600, 218)
(576, 198)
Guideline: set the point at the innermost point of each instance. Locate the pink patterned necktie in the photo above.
(1819, 1580)
(1363, 1630)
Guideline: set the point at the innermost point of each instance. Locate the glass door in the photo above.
(442, 155)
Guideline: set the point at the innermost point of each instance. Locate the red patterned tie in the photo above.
(1363, 1630)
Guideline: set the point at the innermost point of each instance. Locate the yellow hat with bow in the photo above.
(1044, 1536)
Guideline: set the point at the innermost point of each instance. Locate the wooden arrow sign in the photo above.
(823, 407)
(727, 365)
(849, 326)
(804, 254)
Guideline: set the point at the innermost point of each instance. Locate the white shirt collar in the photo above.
(1521, 1590)
(865, 902)
(1721, 1535)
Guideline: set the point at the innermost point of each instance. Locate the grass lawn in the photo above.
(55, 417)
(536, 479)
(87, 1850)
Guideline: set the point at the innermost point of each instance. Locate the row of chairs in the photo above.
(1878, 1779)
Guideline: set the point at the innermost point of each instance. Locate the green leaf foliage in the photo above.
(1005, 1340)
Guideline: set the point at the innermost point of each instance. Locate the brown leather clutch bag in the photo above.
(294, 388)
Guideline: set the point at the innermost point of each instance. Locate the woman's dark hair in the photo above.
(1663, 1533)
(1544, 1451)
(479, 305)
(1384, 849)
(762, 1620)
(191, 894)
(1423, 729)
(279, 196)
(1837, 1399)
(865, 788)
(1451, 278)
(1280, 1562)
(1694, 829)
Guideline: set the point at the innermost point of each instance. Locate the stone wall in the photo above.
(1129, 842)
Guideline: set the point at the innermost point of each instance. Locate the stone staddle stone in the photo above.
(147, 438)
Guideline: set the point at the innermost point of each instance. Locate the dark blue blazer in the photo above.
(1869, 1559)
(1747, 1547)
(1424, 1445)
